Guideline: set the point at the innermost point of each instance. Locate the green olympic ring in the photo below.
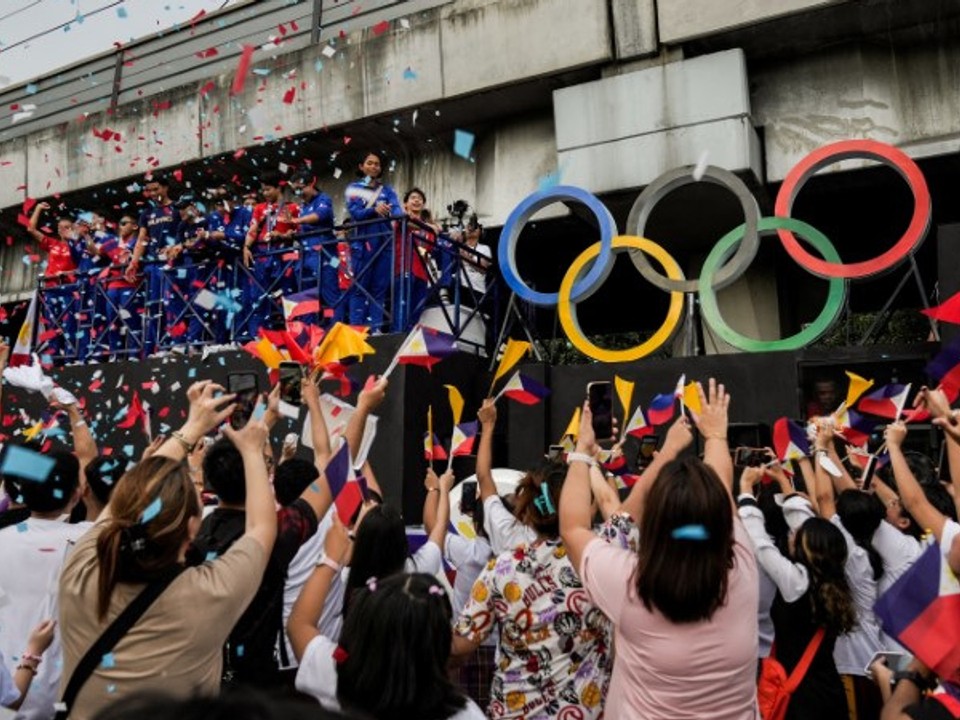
(724, 249)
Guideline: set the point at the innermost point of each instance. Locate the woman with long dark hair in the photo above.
(141, 539)
(391, 659)
(684, 604)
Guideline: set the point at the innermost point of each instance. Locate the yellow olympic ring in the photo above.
(568, 309)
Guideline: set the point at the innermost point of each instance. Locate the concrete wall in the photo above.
(681, 20)
(908, 96)
(625, 130)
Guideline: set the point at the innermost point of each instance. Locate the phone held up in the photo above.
(291, 375)
(600, 400)
(246, 388)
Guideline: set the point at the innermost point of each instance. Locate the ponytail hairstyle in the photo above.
(821, 548)
(861, 514)
(151, 507)
(538, 498)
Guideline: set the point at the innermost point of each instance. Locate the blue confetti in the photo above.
(30, 89)
(22, 527)
(27, 464)
(211, 556)
(151, 511)
(463, 143)
(108, 661)
(239, 650)
(690, 532)
(128, 450)
(122, 13)
(409, 74)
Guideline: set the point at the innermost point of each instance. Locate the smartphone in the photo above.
(894, 660)
(468, 497)
(291, 375)
(246, 388)
(868, 472)
(750, 457)
(600, 399)
(555, 452)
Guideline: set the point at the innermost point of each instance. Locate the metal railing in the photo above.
(359, 273)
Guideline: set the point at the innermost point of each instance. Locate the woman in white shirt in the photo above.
(391, 661)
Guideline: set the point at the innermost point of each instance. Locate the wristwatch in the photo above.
(913, 676)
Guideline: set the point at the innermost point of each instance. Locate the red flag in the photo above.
(948, 311)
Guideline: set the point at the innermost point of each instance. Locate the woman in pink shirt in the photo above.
(684, 606)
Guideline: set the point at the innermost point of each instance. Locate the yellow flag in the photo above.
(512, 354)
(624, 392)
(691, 399)
(340, 342)
(268, 353)
(858, 386)
(456, 403)
(573, 429)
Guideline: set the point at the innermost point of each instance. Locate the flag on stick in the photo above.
(922, 611)
(20, 352)
(857, 387)
(512, 354)
(887, 402)
(624, 390)
(660, 410)
(423, 346)
(456, 403)
(790, 440)
(638, 426)
(523, 389)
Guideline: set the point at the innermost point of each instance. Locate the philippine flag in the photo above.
(524, 390)
(790, 440)
(922, 611)
(463, 436)
(887, 402)
(660, 410)
(945, 369)
(854, 427)
(638, 425)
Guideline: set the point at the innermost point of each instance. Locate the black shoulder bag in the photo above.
(111, 636)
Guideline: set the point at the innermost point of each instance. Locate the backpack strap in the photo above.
(796, 677)
(111, 636)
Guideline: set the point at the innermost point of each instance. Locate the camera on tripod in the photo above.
(457, 209)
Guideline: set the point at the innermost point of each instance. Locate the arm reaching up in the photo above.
(318, 426)
(261, 512)
(712, 424)
(368, 401)
(488, 422)
(207, 412)
(909, 490)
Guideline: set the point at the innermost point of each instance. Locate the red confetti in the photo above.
(381, 27)
(293, 24)
(289, 95)
(207, 88)
(178, 175)
(208, 53)
(243, 69)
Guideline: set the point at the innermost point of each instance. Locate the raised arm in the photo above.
(318, 426)
(488, 421)
(909, 490)
(33, 223)
(678, 437)
(935, 401)
(431, 483)
(712, 423)
(302, 624)
(207, 412)
(438, 534)
(261, 513)
(608, 500)
(368, 401)
(84, 446)
(576, 494)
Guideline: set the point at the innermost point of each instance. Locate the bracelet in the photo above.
(21, 666)
(80, 423)
(187, 445)
(713, 436)
(432, 489)
(329, 562)
(30, 656)
(581, 457)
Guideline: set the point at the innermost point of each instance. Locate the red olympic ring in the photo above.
(835, 152)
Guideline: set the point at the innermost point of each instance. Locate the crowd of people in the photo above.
(181, 584)
(213, 267)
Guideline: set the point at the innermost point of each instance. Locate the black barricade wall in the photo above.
(948, 271)
(763, 386)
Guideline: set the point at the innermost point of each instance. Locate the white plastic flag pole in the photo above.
(396, 357)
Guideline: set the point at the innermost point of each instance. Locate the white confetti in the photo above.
(701, 166)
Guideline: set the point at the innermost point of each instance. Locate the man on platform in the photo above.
(319, 259)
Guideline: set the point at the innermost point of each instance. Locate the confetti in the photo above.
(243, 68)
(463, 143)
(27, 464)
(328, 51)
(701, 167)
(108, 661)
(151, 511)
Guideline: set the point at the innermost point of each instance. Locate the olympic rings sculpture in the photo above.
(726, 262)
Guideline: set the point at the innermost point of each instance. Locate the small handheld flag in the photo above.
(512, 353)
(624, 390)
(790, 440)
(456, 403)
(660, 410)
(524, 390)
(857, 387)
(638, 426)
(423, 346)
(887, 402)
